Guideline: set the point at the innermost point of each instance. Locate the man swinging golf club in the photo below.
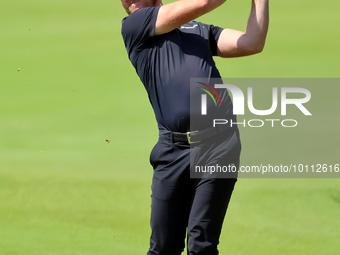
(167, 48)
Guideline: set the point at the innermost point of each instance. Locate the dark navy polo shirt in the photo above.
(165, 63)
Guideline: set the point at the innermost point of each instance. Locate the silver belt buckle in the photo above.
(188, 137)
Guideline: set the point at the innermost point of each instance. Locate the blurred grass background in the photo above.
(76, 130)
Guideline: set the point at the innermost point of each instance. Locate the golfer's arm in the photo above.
(233, 43)
(173, 15)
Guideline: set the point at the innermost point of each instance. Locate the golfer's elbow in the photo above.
(255, 48)
(255, 41)
(258, 48)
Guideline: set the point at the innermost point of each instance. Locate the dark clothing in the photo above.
(165, 63)
(179, 202)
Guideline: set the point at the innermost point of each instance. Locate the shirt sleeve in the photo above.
(215, 33)
(139, 27)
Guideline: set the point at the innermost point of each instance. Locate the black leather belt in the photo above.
(195, 136)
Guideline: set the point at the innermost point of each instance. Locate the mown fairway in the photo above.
(76, 130)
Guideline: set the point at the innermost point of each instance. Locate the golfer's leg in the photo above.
(170, 202)
(207, 214)
(168, 222)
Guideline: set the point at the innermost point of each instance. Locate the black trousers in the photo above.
(182, 204)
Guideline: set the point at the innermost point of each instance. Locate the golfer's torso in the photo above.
(165, 63)
(165, 67)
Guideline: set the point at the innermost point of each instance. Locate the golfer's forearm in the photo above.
(258, 24)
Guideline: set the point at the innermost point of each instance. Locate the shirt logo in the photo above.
(188, 27)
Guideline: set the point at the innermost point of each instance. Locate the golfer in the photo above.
(167, 48)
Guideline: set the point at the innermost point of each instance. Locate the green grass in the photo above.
(65, 190)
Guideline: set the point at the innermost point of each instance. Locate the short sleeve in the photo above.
(214, 35)
(139, 27)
